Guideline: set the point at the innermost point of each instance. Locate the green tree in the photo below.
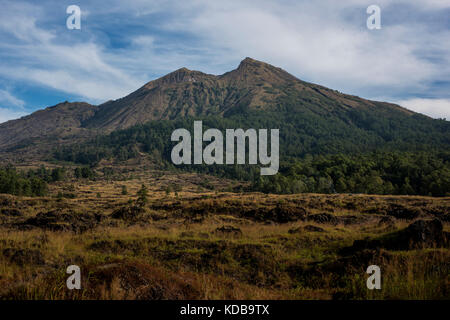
(57, 174)
(142, 194)
(168, 189)
(341, 186)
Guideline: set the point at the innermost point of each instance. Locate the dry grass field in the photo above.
(191, 239)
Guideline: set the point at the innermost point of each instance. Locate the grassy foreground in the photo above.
(196, 243)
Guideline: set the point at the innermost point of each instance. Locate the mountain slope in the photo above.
(61, 120)
(253, 84)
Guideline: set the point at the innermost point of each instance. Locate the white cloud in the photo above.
(11, 107)
(9, 114)
(316, 42)
(76, 68)
(435, 108)
(10, 100)
(143, 41)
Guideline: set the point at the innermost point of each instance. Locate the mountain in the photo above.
(253, 84)
(312, 118)
(59, 121)
(193, 93)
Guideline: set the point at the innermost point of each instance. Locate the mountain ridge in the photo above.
(187, 92)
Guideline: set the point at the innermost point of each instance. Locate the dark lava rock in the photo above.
(352, 219)
(402, 212)
(386, 221)
(423, 233)
(229, 230)
(295, 230)
(326, 218)
(138, 281)
(419, 234)
(57, 221)
(312, 228)
(11, 212)
(129, 213)
(286, 214)
(6, 200)
(203, 235)
(323, 218)
(187, 234)
(279, 214)
(440, 212)
(195, 219)
(24, 257)
(309, 228)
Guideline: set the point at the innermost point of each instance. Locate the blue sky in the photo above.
(124, 44)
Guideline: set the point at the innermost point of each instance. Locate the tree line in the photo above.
(21, 183)
(373, 173)
(34, 182)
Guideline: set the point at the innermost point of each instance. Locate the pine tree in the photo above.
(142, 194)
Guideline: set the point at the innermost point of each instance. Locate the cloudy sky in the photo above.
(124, 44)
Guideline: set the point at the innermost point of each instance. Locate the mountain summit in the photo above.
(193, 93)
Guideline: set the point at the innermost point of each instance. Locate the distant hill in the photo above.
(47, 126)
